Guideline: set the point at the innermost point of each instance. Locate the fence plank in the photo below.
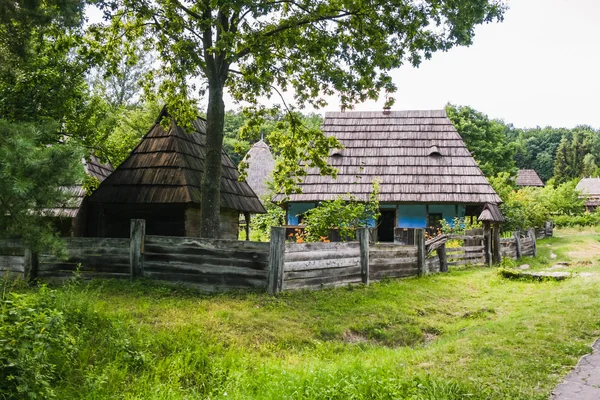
(363, 239)
(276, 260)
(315, 273)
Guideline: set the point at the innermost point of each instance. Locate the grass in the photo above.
(466, 334)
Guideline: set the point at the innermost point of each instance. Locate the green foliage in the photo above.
(252, 50)
(345, 214)
(585, 219)
(36, 345)
(458, 226)
(32, 175)
(260, 225)
(486, 139)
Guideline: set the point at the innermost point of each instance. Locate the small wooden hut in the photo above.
(161, 181)
(260, 166)
(70, 218)
(425, 171)
(590, 190)
(528, 177)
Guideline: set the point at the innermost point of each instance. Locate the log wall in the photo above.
(392, 260)
(92, 257)
(210, 264)
(12, 254)
(317, 265)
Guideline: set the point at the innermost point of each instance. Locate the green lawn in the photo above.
(465, 334)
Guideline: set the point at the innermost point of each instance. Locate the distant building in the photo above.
(70, 218)
(528, 177)
(426, 172)
(260, 165)
(590, 188)
(160, 182)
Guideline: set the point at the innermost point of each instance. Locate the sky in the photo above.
(539, 67)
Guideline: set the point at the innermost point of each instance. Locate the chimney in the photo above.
(387, 110)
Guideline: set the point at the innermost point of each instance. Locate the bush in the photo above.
(34, 343)
(587, 219)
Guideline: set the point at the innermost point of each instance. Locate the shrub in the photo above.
(34, 343)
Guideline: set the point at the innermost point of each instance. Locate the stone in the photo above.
(524, 266)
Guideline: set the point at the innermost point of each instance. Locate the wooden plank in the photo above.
(167, 259)
(363, 240)
(320, 246)
(315, 283)
(66, 266)
(421, 251)
(321, 255)
(136, 247)
(469, 262)
(315, 273)
(442, 255)
(465, 256)
(321, 264)
(397, 273)
(9, 260)
(204, 252)
(220, 281)
(86, 260)
(209, 244)
(203, 268)
(98, 243)
(277, 251)
(398, 253)
(94, 251)
(392, 269)
(12, 251)
(394, 261)
(65, 275)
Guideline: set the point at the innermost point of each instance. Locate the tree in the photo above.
(590, 169)
(314, 48)
(562, 168)
(486, 139)
(32, 179)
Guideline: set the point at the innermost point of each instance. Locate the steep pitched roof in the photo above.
(93, 168)
(589, 186)
(418, 156)
(260, 165)
(167, 167)
(528, 177)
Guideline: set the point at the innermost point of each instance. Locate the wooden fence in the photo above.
(519, 245)
(220, 265)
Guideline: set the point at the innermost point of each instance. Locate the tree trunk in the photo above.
(211, 181)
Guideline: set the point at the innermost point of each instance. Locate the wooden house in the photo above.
(161, 181)
(528, 177)
(426, 172)
(70, 218)
(590, 189)
(260, 166)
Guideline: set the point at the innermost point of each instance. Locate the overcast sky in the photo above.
(539, 67)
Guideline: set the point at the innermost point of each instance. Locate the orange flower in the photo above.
(299, 240)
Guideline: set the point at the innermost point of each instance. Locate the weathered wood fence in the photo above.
(220, 265)
(521, 244)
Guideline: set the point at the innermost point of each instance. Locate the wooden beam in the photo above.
(496, 256)
(487, 243)
(517, 236)
(363, 239)
(247, 218)
(442, 256)
(421, 253)
(136, 247)
(276, 260)
(30, 265)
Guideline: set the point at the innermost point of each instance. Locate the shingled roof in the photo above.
(167, 167)
(589, 186)
(260, 165)
(93, 168)
(528, 177)
(418, 156)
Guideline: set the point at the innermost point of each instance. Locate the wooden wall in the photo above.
(93, 257)
(210, 264)
(392, 260)
(316, 265)
(12, 255)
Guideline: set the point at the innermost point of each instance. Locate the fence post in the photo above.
(533, 241)
(496, 255)
(30, 265)
(276, 260)
(517, 236)
(487, 243)
(443, 259)
(548, 229)
(363, 239)
(136, 247)
(421, 255)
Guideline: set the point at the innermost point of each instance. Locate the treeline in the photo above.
(559, 154)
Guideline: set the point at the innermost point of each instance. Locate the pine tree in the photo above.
(562, 168)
